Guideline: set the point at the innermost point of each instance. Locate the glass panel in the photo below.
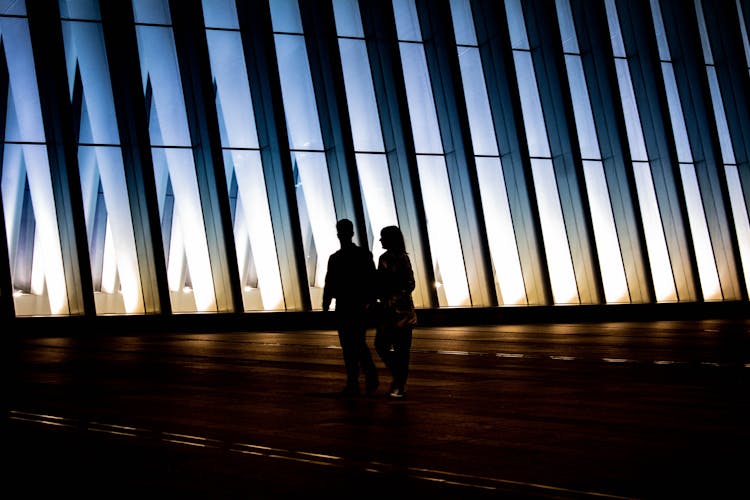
(463, 23)
(725, 141)
(567, 26)
(632, 119)
(661, 268)
(661, 36)
(34, 247)
(317, 218)
(584, 116)
(313, 187)
(360, 96)
(380, 208)
(684, 155)
(183, 231)
(516, 25)
(705, 43)
(24, 116)
(424, 122)
(113, 255)
(704, 254)
(299, 96)
(13, 7)
(151, 11)
(656, 245)
(407, 22)
(84, 50)
(79, 9)
(618, 46)
(500, 234)
(559, 262)
(722, 127)
(285, 16)
(188, 266)
(605, 234)
(348, 21)
(31, 229)
(741, 220)
(220, 14)
(531, 105)
(233, 101)
(450, 273)
(253, 232)
(161, 78)
(481, 124)
(114, 260)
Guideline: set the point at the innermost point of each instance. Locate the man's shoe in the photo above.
(349, 392)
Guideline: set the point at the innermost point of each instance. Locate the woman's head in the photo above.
(392, 239)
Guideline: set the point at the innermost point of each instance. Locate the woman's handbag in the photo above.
(399, 312)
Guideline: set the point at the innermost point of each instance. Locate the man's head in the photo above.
(345, 229)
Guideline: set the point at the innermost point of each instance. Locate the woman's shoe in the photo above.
(397, 393)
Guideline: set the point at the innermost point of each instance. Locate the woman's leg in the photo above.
(401, 355)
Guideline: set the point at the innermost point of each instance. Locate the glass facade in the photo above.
(193, 157)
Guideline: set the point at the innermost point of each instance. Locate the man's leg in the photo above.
(366, 362)
(349, 350)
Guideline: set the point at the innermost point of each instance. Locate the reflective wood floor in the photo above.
(590, 410)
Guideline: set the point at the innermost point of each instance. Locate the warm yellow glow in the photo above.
(109, 271)
(704, 255)
(741, 220)
(443, 230)
(656, 245)
(500, 234)
(605, 235)
(559, 262)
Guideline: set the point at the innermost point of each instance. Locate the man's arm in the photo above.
(329, 286)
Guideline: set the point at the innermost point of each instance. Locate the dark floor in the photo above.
(655, 409)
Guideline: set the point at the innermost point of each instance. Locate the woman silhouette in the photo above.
(395, 281)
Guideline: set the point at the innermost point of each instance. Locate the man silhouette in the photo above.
(350, 280)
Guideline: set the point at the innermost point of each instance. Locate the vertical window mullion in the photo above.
(557, 241)
(257, 259)
(451, 282)
(501, 239)
(611, 268)
(189, 270)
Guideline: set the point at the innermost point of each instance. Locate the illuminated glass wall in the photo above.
(258, 263)
(193, 156)
(106, 204)
(29, 204)
(501, 238)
